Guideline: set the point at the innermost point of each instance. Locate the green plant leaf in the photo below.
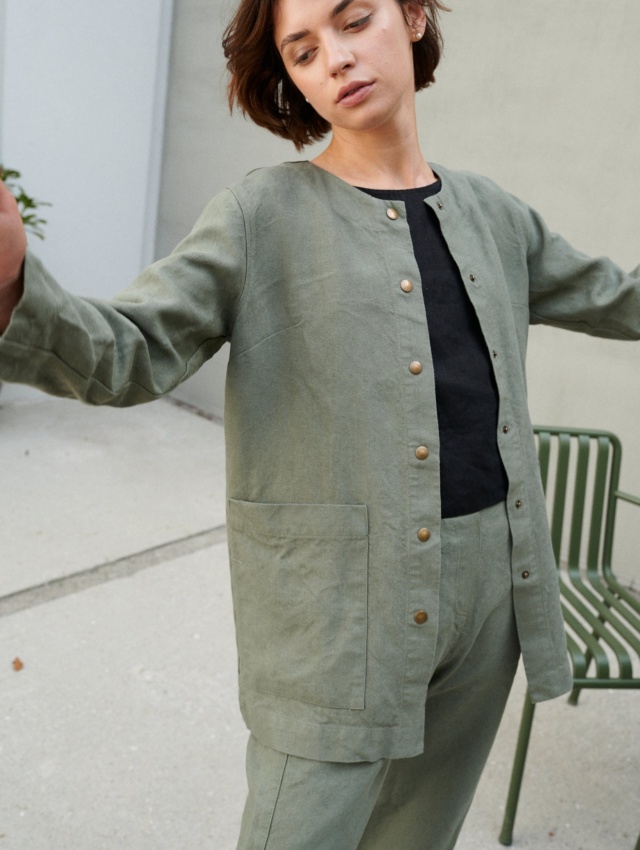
(33, 224)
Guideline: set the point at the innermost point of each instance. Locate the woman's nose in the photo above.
(340, 59)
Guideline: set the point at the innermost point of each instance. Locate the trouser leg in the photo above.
(301, 804)
(424, 800)
(418, 803)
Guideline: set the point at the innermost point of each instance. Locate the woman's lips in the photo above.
(354, 93)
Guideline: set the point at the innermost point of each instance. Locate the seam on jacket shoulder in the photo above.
(512, 204)
(239, 299)
(521, 233)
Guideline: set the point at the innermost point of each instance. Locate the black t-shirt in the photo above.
(472, 474)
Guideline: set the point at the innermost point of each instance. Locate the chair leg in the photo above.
(506, 834)
(572, 699)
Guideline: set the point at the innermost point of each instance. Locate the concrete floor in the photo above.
(121, 731)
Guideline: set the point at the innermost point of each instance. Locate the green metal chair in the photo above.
(580, 473)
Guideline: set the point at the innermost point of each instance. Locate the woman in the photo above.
(389, 552)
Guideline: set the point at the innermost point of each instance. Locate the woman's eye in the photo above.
(303, 58)
(354, 25)
(306, 56)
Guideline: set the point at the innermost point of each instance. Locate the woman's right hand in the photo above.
(13, 247)
(13, 239)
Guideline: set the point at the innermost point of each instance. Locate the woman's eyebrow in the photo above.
(341, 7)
(296, 36)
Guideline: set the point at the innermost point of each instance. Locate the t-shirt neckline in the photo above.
(420, 192)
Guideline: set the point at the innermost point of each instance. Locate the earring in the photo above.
(417, 35)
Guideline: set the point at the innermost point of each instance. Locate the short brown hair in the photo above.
(260, 86)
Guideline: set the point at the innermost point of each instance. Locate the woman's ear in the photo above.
(415, 17)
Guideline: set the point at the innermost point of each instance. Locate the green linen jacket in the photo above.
(305, 277)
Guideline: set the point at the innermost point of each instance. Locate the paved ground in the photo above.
(121, 731)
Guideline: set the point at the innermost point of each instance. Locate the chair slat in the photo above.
(544, 456)
(560, 494)
(601, 630)
(624, 594)
(600, 487)
(579, 660)
(613, 609)
(593, 645)
(579, 499)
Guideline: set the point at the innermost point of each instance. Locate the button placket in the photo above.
(414, 370)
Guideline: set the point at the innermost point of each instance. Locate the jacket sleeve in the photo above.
(571, 290)
(142, 343)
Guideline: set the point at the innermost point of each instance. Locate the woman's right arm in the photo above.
(13, 247)
(144, 341)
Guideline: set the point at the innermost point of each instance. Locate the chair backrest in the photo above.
(580, 472)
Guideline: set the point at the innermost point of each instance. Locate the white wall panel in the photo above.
(83, 116)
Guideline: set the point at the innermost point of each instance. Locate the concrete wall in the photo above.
(543, 98)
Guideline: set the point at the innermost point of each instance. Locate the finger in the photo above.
(7, 202)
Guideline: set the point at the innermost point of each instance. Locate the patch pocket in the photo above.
(299, 576)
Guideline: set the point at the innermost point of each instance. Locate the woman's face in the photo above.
(352, 60)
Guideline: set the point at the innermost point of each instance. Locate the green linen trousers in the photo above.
(414, 803)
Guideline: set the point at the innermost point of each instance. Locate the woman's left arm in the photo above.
(568, 289)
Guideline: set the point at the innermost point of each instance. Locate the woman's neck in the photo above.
(394, 161)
